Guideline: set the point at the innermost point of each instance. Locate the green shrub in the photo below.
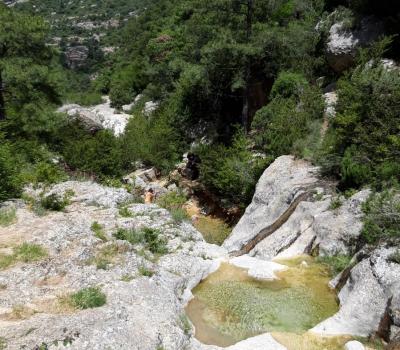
(131, 235)
(336, 203)
(148, 236)
(154, 141)
(98, 231)
(54, 202)
(7, 216)
(232, 172)
(90, 98)
(88, 298)
(382, 216)
(336, 263)
(284, 122)
(288, 84)
(362, 143)
(395, 257)
(99, 154)
(153, 241)
(179, 215)
(10, 184)
(172, 200)
(125, 212)
(48, 173)
(144, 271)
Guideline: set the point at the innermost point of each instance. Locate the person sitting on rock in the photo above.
(192, 171)
(149, 196)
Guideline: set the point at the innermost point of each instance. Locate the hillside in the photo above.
(136, 136)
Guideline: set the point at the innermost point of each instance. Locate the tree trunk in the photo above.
(246, 92)
(2, 103)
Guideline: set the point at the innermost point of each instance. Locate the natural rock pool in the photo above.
(229, 306)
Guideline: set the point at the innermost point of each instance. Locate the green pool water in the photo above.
(230, 306)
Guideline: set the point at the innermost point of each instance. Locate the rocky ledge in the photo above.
(146, 292)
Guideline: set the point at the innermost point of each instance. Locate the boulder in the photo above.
(98, 117)
(86, 118)
(76, 56)
(354, 345)
(284, 180)
(338, 230)
(296, 236)
(365, 298)
(394, 343)
(331, 99)
(343, 43)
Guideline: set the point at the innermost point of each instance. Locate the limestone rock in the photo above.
(354, 345)
(365, 297)
(338, 230)
(343, 44)
(76, 56)
(280, 184)
(102, 116)
(295, 236)
(141, 312)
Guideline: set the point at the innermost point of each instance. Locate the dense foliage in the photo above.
(240, 77)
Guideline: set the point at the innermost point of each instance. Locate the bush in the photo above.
(100, 154)
(232, 172)
(288, 84)
(153, 141)
(148, 236)
(90, 98)
(172, 200)
(125, 212)
(336, 263)
(54, 202)
(10, 184)
(395, 257)
(131, 235)
(362, 143)
(153, 241)
(179, 215)
(88, 298)
(285, 121)
(382, 216)
(144, 271)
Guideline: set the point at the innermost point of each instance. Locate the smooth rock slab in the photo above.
(280, 184)
(259, 269)
(354, 345)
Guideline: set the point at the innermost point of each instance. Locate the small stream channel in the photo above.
(229, 306)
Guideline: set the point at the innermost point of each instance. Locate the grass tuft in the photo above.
(98, 231)
(7, 216)
(144, 271)
(335, 263)
(88, 298)
(25, 252)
